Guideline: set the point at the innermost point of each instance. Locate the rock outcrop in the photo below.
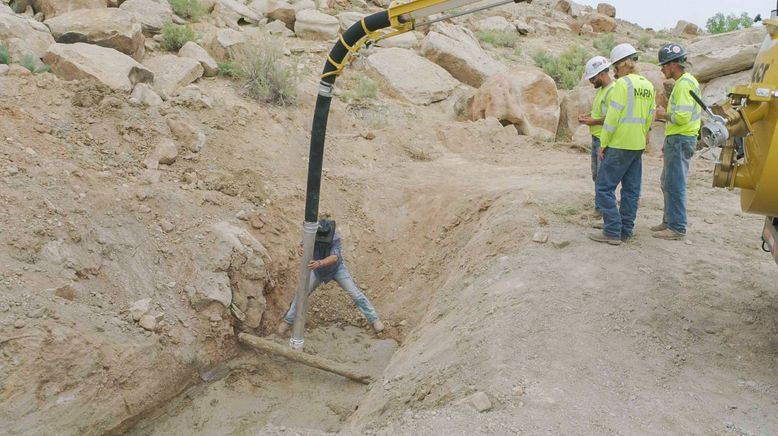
(727, 53)
(108, 27)
(463, 58)
(106, 65)
(411, 76)
(172, 72)
(151, 14)
(312, 24)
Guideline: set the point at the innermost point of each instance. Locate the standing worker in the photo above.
(683, 125)
(597, 73)
(631, 106)
(327, 264)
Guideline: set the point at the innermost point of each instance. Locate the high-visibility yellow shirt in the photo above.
(684, 112)
(600, 108)
(631, 107)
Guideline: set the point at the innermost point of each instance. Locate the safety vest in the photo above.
(600, 108)
(684, 112)
(631, 107)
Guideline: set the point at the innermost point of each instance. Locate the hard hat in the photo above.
(671, 53)
(621, 52)
(595, 66)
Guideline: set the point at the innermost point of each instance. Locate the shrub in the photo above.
(191, 9)
(498, 38)
(644, 43)
(720, 23)
(229, 69)
(34, 65)
(567, 69)
(604, 44)
(5, 55)
(264, 74)
(365, 89)
(174, 36)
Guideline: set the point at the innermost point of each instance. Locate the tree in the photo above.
(720, 23)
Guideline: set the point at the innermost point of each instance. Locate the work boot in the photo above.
(602, 237)
(669, 235)
(378, 326)
(597, 225)
(659, 228)
(282, 328)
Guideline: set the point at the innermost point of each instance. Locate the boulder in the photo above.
(600, 23)
(347, 19)
(151, 14)
(563, 6)
(193, 51)
(299, 5)
(106, 65)
(234, 13)
(281, 11)
(727, 53)
(685, 28)
(607, 10)
(144, 94)
(312, 24)
(107, 27)
(575, 102)
(654, 75)
(172, 72)
(224, 42)
(5, 9)
(259, 7)
(465, 61)
(522, 27)
(23, 36)
(404, 40)
(187, 134)
(716, 90)
(495, 23)
(397, 66)
(165, 153)
(52, 8)
(523, 96)
(192, 96)
(278, 28)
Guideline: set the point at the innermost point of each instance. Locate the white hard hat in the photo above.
(621, 52)
(595, 66)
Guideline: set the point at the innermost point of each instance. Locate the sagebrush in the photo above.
(5, 55)
(33, 64)
(365, 88)
(604, 44)
(191, 9)
(264, 73)
(498, 38)
(174, 36)
(567, 69)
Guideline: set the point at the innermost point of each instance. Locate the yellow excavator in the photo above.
(745, 126)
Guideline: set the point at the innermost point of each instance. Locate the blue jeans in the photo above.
(625, 167)
(678, 151)
(343, 277)
(595, 157)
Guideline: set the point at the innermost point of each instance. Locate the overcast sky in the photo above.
(662, 14)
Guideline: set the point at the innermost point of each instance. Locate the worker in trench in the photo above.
(327, 264)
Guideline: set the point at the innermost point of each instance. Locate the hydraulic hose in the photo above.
(348, 43)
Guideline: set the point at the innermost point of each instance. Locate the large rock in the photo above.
(23, 36)
(685, 28)
(563, 6)
(727, 53)
(151, 14)
(106, 65)
(403, 40)
(52, 8)
(716, 90)
(107, 27)
(234, 13)
(600, 23)
(193, 51)
(573, 103)
(312, 24)
(172, 72)
(224, 42)
(654, 75)
(607, 9)
(523, 96)
(411, 76)
(281, 11)
(496, 23)
(347, 19)
(465, 61)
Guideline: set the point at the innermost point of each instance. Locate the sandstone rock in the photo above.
(5, 9)
(144, 94)
(224, 42)
(259, 6)
(234, 13)
(282, 11)
(193, 51)
(67, 292)
(106, 65)
(404, 40)
(191, 96)
(299, 5)
(151, 14)
(312, 24)
(18, 71)
(607, 10)
(187, 134)
(481, 402)
(165, 153)
(107, 27)
(52, 8)
(563, 6)
(523, 28)
(495, 23)
(148, 322)
(23, 36)
(172, 72)
(600, 23)
(278, 28)
(347, 19)
(4, 69)
(575, 102)
(727, 53)
(685, 28)
(465, 61)
(716, 90)
(431, 82)
(523, 96)
(140, 308)
(540, 236)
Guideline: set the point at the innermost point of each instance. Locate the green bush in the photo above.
(720, 23)
(364, 89)
(644, 43)
(604, 44)
(567, 69)
(34, 65)
(498, 38)
(191, 9)
(174, 36)
(264, 74)
(5, 56)
(229, 69)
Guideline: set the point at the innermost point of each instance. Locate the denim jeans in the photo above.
(625, 167)
(595, 157)
(343, 277)
(678, 151)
